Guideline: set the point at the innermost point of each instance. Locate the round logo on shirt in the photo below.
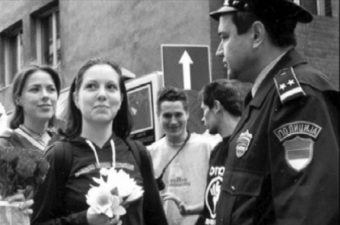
(212, 195)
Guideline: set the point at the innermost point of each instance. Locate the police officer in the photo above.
(283, 157)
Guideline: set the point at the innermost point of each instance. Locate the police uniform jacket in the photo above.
(283, 157)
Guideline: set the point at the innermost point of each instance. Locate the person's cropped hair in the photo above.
(122, 123)
(172, 94)
(17, 88)
(280, 34)
(230, 93)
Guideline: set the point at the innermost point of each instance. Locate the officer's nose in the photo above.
(219, 51)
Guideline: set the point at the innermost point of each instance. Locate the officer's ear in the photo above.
(258, 33)
(217, 106)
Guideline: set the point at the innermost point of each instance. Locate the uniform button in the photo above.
(233, 188)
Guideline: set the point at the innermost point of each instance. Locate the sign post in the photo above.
(186, 66)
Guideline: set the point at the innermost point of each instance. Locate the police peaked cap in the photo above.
(266, 10)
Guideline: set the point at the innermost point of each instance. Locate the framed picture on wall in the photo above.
(140, 105)
(142, 95)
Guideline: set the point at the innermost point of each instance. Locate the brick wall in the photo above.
(318, 42)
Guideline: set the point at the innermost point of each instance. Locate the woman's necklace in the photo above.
(36, 136)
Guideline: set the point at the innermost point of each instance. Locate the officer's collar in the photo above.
(265, 72)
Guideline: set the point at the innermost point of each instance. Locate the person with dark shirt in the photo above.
(221, 102)
(96, 137)
(283, 165)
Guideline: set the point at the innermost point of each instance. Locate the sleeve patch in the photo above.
(287, 85)
(299, 152)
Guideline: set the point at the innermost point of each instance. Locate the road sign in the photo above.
(186, 66)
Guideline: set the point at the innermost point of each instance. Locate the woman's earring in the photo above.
(17, 102)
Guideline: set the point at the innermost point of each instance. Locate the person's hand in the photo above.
(24, 206)
(182, 207)
(94, 218)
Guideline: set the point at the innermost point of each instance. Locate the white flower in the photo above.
(123, 182)
(101, 200)
(120, 180)
(119, 186)
(137, 192)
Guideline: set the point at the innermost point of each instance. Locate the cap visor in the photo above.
(301, 15)
(304, 16)
(224, 9)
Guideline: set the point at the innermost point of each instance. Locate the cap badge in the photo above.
(243, 143)
(239, 4)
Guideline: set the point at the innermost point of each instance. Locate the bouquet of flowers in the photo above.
(111, 195)
(20, 170)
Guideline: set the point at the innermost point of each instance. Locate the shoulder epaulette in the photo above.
(287, 85)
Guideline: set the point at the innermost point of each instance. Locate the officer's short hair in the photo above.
(230, 93)
(280, 35)
(172, 94)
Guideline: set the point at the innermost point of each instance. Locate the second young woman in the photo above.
(99, 124)
(35, 92)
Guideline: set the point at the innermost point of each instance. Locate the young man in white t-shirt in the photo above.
(185, 175)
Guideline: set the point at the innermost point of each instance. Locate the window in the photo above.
(48, 38)
(12, 54)
(317, 7)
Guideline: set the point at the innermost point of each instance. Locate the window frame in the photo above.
(40, 36)
(13, 34)
(321, 8)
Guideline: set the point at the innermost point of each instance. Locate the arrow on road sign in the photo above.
(186, 61)
(186, 66)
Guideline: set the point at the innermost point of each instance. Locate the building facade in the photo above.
(65, 34)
